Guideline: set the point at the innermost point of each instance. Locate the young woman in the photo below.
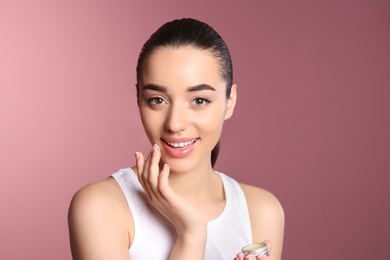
(172, 204)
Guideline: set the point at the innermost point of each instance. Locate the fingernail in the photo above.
(154, 149)
(165, 166)
(240, 256)
(264, 256)
(136, 155)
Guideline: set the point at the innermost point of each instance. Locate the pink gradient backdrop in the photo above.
(312, 122)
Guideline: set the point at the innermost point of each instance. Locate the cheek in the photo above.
(150, 121)
(211, 121)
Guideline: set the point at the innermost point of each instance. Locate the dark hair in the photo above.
(190, 32)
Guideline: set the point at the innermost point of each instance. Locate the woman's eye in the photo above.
(156, 101)
(201, 101)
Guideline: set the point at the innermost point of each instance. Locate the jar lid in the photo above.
(256, 249)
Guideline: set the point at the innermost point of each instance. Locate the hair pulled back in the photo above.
(190, 32)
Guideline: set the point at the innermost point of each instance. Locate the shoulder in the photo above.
(266, 216)
(99, 201)
(105, 195)
(98, 220)
(96, 196)
(261, 200)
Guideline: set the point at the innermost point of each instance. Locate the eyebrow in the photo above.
(199, 87)
(155, 87)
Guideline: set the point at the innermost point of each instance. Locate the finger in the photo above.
(240, 256)
(145, 173)
(151, 173)
(154, 167)
(140, 164)
(163, 182)
(262, 257)
(139, 161)
(250, 257)
(143, 177)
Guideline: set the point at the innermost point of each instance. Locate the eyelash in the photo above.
(204, 101)
(153, 101)
(198, 102)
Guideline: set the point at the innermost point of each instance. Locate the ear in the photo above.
(231, 102)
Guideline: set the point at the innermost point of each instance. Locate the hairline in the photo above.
(211, 51)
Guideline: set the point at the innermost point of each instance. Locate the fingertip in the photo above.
(163, 176)
(263, 257)
(139, 162)
(141, 155)
(165, 167)
(155, 149)
(164, 172)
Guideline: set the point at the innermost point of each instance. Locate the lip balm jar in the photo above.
(256, 249)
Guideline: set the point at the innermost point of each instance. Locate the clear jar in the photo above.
(256, 249)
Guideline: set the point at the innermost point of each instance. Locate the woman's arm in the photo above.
(98, 223)
(267, 218)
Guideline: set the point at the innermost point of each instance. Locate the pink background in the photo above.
(312, 122)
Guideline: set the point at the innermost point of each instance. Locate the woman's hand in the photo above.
(242, 256)
(184, 215)
(188, 220)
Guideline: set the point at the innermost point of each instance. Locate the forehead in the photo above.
(181, 66)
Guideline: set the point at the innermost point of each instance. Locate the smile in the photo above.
(181, 144)
(179, 148)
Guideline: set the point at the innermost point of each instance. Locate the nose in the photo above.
(177, 119)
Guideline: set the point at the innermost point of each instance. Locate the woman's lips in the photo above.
(181, 144)
(179, 148)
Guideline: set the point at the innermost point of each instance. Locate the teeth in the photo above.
(182, 144)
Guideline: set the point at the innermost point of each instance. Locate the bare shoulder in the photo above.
(261, 200)
(267, 218)
(99, 199)
(105, 193)
(98, 221)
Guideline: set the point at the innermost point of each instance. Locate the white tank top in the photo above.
(154, 236)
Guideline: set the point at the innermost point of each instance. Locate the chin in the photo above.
(181, 165)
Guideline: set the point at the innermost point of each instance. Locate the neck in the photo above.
(203, 188)
(199, 184)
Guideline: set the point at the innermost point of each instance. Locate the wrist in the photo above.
(192, 245)
(193, 235)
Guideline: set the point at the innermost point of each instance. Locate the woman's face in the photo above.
(183, 104)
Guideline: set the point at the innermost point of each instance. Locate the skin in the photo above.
(185, 190)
